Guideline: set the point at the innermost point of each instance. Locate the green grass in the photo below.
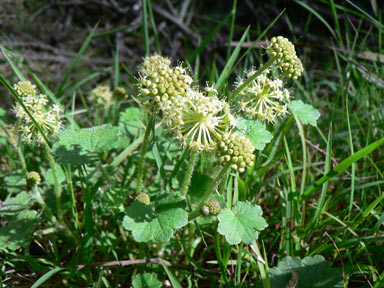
(321, 188)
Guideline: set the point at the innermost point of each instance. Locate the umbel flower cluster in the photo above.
(203, 121)
(47, 117)
(264, 98)
(198, 120)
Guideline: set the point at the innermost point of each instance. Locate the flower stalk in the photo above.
(195, 213)
(188, 174)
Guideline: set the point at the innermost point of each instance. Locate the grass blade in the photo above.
(326, 170)
(207, 39)
(79, 54)
(171, 276)
(228, 67)
(45, 277)
(342, 166)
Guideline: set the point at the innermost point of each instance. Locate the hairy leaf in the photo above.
(81, 146)
(255, 131)
(305, 112)
(129, 123)
(14, 205)
(157, 221)
(310, 272)
(17, 230)
(145, 280)
(242, 223)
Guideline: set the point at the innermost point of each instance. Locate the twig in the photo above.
(334, 161)
(182, 26)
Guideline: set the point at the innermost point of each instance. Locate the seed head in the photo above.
(287, 59)
(237, 150)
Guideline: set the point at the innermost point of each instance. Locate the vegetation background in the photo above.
(341, 46)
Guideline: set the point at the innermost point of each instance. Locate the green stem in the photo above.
(22, 159)
(104, 173)
(188, 174)
(50, 215)
(72, 197)
(140, 168)
(253, 77)
(262, 267)
(195, 213)
(52, 164)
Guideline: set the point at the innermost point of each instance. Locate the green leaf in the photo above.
(255, 131)
(129, 123)
(80, 146)
(46, 276)
(145, 280)
(312, 272)
(156, 222)
(305, 112)
(16, 230)
(14, 205)
(2, 112)
(242, 223)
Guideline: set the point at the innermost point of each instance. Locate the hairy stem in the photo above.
(140, 168)
(52, 164)
(253, 77)
(188, 174)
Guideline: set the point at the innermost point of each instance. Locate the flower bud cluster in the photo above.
(199, 121)
(287, 59)
(159, 81)
(237, 150)
(211, 208)
(47, 117)
(264, 98)
(101, 95)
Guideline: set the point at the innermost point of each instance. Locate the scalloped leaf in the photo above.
(81, 146)
(255, 131)
(242, 223)
(305, 112)
(158, 221)
(311, 271)
(146, 280)
(14, 205)
(129, 124)
(17, 230)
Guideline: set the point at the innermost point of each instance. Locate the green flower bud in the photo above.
(143, 198)
(120, 94)
(244, 150)
(214, 207)
(287, 59)
(33, 178)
